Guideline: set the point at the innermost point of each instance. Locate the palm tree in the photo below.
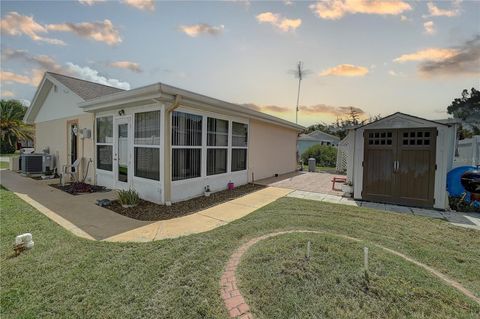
(12, 128)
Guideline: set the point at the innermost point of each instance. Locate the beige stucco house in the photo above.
(166, 143)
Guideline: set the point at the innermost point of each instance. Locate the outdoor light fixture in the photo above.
(121, 112)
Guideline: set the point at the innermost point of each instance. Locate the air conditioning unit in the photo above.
(37, 163)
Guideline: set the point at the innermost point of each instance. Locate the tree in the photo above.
(12, 128)
(467, 109)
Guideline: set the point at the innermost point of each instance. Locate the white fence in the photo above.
(468, 152)
(345, 155)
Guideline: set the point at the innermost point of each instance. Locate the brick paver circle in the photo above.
(236, 304)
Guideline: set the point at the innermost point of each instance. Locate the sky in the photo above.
(379, 57)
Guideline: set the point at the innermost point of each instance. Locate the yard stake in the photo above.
(365, 258)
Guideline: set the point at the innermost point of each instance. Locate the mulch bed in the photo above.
(149, 211)
(80, 188)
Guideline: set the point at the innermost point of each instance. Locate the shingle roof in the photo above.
(85, 89)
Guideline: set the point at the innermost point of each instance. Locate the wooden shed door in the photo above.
(399, 166)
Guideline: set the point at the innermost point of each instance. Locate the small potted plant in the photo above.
(347, 188)
(207, 191)
(128, 199)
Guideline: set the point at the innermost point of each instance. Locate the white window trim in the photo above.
(225, 147)
(102, 171)
(159, 146)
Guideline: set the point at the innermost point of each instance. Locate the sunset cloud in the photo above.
(317, 109)
(7, 93)
(15, 24)
(195, 30)
(43, 62)
(141, 4)
(98, 31)
(435, 11)
(431, 54)
(336, 9)
(7, 76)
(429, 27)
(128, 65)
(275, 19)
(348, 70)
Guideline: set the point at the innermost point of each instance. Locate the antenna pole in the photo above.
(299, 74)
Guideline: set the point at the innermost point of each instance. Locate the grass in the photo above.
(320, 169)
(66, 276)
(332, 283)
(4, 164)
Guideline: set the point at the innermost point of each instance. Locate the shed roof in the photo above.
(400, 114)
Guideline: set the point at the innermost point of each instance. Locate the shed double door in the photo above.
(399, 166)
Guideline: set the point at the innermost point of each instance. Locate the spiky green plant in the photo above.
(128, 197)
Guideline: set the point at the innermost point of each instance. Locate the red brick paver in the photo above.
(238, 308)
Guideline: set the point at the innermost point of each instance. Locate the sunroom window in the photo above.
(239, 146)
(105, 143)
(147, 145)
(217, 146)
(186, 145)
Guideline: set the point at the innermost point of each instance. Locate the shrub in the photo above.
(129, 197)
(325, 155)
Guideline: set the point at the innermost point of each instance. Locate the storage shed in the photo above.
(402, 159)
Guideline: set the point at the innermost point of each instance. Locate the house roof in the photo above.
(319, 135)
(85, 89)
(167, 93)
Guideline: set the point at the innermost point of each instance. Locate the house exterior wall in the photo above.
(60, 103)
(272, 150)
(53, 134)
(444, 153)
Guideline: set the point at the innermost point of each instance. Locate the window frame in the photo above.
(157, 146)
(222, 147)
(102, 144)
(240, 147)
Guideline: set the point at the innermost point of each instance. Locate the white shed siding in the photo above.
(444, 152)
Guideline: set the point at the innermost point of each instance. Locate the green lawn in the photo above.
(320, 169)
(4, 165)
(65, 276)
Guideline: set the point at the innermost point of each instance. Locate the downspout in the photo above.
(167, 160)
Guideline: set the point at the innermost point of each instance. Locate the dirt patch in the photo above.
(149, 211)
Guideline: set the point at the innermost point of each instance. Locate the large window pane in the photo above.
(186, 163)
(104, 157)
(216, 161)
(147, 163)
(147, 128)
(186, 129)
(239, 159)
(105, 129)
(239, 134)
(217, 132)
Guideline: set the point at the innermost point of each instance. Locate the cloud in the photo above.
(336, 9)
(141, 4)
(15, 24)
(396, 74)
(429, 27)
(7, 76)
(7, 93)
(465, 62)
(42, 61)
(90, 2)
(132, 66)
(278, 21)
(99, 31)
(435, 11)
(345, 70)
(317, 109)
(89, 74)
(430, 54)
(195, 30)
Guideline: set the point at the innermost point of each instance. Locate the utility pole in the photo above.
(299, 73)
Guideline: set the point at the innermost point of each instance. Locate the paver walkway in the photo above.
(466, 220)
(237, 306)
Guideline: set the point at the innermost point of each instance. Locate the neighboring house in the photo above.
(315, 138)
(401, 159)
(165, 142)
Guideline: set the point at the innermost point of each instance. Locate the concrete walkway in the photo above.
(205, 220)
(466, 220)
(78, 214)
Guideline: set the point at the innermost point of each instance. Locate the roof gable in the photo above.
(85, 89)
(398, 120)
(319, 135)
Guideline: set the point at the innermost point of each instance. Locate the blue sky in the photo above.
(379, 57)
